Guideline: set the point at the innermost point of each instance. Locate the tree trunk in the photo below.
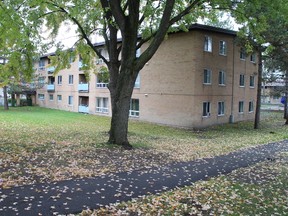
(259, 84)
(6, 107)
(286, 99)
(120, 102)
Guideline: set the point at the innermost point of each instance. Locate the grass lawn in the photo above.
(44, 145)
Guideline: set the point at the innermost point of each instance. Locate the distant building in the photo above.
(195, 79)
(272, 92)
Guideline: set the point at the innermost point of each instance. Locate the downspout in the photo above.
(231, 118)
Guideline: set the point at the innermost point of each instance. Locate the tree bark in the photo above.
(120, 102)
(259, 85)
(6, 107)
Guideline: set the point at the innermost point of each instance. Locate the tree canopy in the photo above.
(136, 23)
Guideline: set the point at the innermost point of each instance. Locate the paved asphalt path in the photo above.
(73, 196)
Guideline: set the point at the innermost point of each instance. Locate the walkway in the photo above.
(72, 196)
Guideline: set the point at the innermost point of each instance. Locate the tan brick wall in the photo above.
(171, 84)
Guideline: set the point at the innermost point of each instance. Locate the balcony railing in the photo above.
(83, 108)
(51, 69)
(101, 85)
(83, 87)
(50, 87)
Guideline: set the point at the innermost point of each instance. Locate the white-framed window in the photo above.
(241, 107)
(207, 76)
(101, 105)
(253, 57)
(59, 98)
(251, 107)
(59, 80)
(208, 44)
(71, 79)
(41, 96)
(242, 53)
(101, 82)
(41, 81)
(137, 82)
(242, 80)
(221, 108)
(51, 97)
(134, 108)
(70, 100)
(41, 64)
(221, 78)
(223, 48)
(252, 81)
(206, 109)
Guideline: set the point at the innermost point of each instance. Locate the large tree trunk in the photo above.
(6, 107)
(120, 102)
(259, 85)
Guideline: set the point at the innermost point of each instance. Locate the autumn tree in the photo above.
(262, 24)
(136, 23)
(18, 43)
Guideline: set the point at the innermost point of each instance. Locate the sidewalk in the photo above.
(73, 196)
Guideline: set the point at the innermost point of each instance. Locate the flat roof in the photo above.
(195, 26)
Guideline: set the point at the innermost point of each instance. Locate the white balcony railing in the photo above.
(83, 109)
(101, 85)
(51, 69)
(102, 109)
(50, 87)
(83, 87)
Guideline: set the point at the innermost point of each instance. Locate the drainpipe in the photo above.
(231, 118)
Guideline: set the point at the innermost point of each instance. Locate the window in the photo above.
(41, 81)
(51, 97)
(137, 82)
(70, 79)
(41, 96)
(221, 78)
(251, 106)
(242, 80)
(102, 78)
(241, 106)
(59, 98)
(206, 109)
(134, 108)
(221, 108)
(207, 76)
(222, 48)
(253, 57)
(70, 100)
(42, 64)
(102, 105)
(242, 54)
(208, 44)
(252, 81)
(59, 80)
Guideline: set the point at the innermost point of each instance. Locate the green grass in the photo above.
(74, 144)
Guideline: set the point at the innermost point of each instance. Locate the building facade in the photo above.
(195, 79)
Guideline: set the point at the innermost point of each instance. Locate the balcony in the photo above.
(50, 87)
(83, 109)
(51, 69)
(83, 87)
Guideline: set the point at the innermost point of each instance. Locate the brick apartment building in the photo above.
(195, 79)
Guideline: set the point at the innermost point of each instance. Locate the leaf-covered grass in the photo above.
(258, 190)
(40, 145)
